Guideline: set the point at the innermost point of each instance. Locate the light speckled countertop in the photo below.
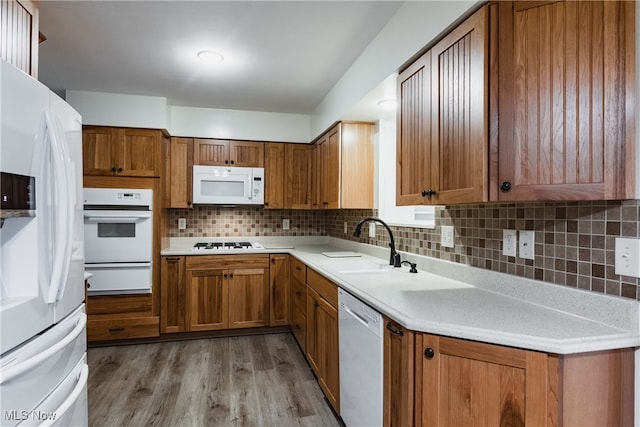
(465, 302)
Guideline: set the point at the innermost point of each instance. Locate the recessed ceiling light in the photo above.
(210, 56)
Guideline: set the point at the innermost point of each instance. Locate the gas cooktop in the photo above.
(221, 246)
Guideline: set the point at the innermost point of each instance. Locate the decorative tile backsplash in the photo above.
(574, 241)
(209, 221)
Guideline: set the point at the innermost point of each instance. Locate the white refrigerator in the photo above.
(43, 369)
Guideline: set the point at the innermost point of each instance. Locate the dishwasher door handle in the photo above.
(355, 315)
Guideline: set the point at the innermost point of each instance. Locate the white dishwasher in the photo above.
(361, 347)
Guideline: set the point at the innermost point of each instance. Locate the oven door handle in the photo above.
(118, 265)
(117, 219)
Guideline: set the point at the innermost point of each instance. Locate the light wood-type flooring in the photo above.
(259, 380)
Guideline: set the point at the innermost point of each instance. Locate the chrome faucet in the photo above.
(394, 258)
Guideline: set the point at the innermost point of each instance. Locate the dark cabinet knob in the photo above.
(188, 202)
(429, 353)
(506, 186)
(226, 162)
(119, 169)
(428, 193)
(113, 169)
(233, 162)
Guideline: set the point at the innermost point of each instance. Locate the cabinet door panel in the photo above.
(563, 77)
(413, 151)
(211, 152)
(274, 170)
(298, 176)
(181, 177)
(249, 154)
(208, 300)
(330, 164)
(279, 290)
(140, 152)
(248, 298)
(471, 383)
(173, 295)
(99, 150)
(459, 106)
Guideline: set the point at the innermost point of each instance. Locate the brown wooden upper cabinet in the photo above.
(442, 137)
(343, 167)
(180, 173)
(566, 74)
(274, 175)
(298, 176)
(121, 151)
(523, 101)
(19, 34)
(222, 152)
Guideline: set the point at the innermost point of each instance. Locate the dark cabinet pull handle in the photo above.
(225, 275)
(120, 329)
(172, 259)
(506, 186)
(298, 327)
(429, 353)
(394, 330)
(428, 193)
(298, 268)
(231, 276)
(298, 293)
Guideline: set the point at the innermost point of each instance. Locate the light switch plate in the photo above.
(627, 257)
(182, 223)
(346, 230)
(372, 229)
(527, 247)
(509, 242)
(447, 236)
(285, 224)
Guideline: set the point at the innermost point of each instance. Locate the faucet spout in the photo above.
(394, 257)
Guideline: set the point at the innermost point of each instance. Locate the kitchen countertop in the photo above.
(456, 300)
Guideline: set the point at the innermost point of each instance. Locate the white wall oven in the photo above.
(118, 231)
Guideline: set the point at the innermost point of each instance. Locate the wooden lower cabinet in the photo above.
(120, 317)
(322, 336)
(398, 379)
(298, 303)
(279, 289)
(432, 380)
(173, 295)
(216, 292)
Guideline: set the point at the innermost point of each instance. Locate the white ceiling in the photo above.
(282, 56)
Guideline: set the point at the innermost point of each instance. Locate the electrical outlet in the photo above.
(447, 236)
(346, 229)
(627, 257)
(509, 242)
(285, 224)
(182, 223)
(372, 229)
(527, 247)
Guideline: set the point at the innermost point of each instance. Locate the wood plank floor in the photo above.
(259, 380)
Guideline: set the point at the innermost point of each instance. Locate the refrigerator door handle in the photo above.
(69, 401)
(65, 192)
(14, 371)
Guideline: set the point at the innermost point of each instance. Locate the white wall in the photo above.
(414, 25)
(112, 109)
(236, 124)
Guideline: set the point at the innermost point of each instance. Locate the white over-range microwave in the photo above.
(213, 185)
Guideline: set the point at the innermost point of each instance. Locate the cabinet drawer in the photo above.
(299, 327)
(121, 329)
(204, 262)
(298, 270)
(324, 287)
(299, 295)
(122, 305)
